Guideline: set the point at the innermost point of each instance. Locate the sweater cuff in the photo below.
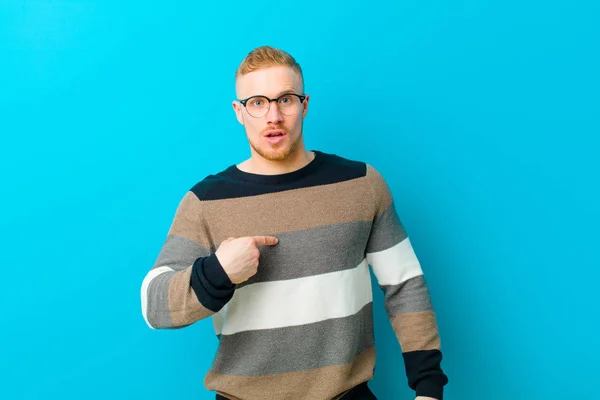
(216, 275)
(210, 283)
(430, 387)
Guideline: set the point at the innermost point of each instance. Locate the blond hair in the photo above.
(267, 56)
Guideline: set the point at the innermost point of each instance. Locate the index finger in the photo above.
(265, 240)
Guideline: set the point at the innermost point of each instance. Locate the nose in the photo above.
(274, 116)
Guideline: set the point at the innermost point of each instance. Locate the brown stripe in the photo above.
(189, 222)
(291, 210)
(381, 191)
(416, 331)
(325, 383)
(208, 223)
(184, 306)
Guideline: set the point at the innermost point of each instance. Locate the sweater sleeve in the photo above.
(186, 283)
(407, 300)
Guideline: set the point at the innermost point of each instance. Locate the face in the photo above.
(276, 135)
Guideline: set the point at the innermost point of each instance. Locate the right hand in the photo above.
(239, 256)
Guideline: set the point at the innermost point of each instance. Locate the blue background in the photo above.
(482, 115)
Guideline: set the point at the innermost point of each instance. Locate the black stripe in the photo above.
(324, 169)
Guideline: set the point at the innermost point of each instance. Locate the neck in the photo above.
(259, 165)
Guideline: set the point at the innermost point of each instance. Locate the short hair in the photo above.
(265, 57)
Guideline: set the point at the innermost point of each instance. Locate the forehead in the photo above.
(269, 82)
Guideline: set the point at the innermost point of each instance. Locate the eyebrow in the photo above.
(287, 91)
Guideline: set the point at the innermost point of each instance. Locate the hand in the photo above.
(239, 257)
(424, 398)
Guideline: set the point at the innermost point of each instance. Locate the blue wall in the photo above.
(482, 115)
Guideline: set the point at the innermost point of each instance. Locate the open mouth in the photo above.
(275, 134)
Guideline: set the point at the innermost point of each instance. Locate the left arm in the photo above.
(407, 300)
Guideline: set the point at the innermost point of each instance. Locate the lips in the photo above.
(275, 133)
(275, 136)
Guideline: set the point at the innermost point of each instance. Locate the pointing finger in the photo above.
(265, 240)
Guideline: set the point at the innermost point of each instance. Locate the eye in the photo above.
(285, 99)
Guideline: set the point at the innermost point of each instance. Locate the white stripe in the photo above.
(144, 292)
(218, 319)
(299, 301)
(396, 264)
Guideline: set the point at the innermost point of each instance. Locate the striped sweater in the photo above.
(302, 327)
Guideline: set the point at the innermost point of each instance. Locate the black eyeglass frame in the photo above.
(301, 97)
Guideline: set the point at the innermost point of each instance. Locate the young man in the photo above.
(276, 250)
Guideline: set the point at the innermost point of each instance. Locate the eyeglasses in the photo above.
(288, 104)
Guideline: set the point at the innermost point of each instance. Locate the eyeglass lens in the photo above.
(258, 106)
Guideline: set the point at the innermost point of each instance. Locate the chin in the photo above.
(279, 153)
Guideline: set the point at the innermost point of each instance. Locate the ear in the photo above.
(305, 106)
(237, 108)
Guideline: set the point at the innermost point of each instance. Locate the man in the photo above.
(276, 250)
